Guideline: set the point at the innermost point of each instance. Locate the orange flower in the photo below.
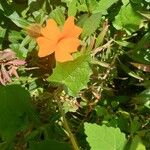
(63, 42)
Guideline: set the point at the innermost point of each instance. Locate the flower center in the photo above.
(61, 38)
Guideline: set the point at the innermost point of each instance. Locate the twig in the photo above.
(110, 67)
(104, 79)
(31, 68)
(99, 49)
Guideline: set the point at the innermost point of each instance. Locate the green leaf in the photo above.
(2, 35)
(74, 74)
(141, 52)
(15, 110)
(20, 52)
(13, 15)
(141, 55)
(129, 71)
(83, 7)
(127, 19)
(72, 7)
(137, 144)
(20, 22)
(58, 15)
(39, 16)
(101, 111)
(103, 5)
(135, 125)
(91, 24)
(2, 32)
(15, 36)
(104, 138)
(20, 43)
(146, 14)
(92, 4)
(143, 97)
(101, 36)
(125, 44)
(143, 42)
(49, 144)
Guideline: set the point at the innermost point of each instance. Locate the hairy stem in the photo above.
(66, 125)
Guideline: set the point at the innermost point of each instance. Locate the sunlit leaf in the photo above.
(91, 24)
(72, 7)
(103, 137)
(58, 15)
(74, 74)
(145, 14)
(101, 36)
(127, 19)
(103, 5)
(137, 144)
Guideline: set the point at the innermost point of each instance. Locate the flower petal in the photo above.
(68, 45)
(51, 31)
(62, 56)
(70, 29)
(46, 47)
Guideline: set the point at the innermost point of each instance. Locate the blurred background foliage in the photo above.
(110, 88)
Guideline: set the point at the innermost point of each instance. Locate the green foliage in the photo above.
(16, 110)
(137, 144)
(141, 51)
(26, 45)
(130, 72)
(75, 76)
(46, 104)
(72, 7)
(49, 144)
(92, 6)
(91, 24)
(143, 97)
(58, 15)
(13, 15)
(127, 19)
(103, 5)
(2, 35)
(103, 137)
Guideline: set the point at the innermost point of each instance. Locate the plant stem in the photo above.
(66, 126)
